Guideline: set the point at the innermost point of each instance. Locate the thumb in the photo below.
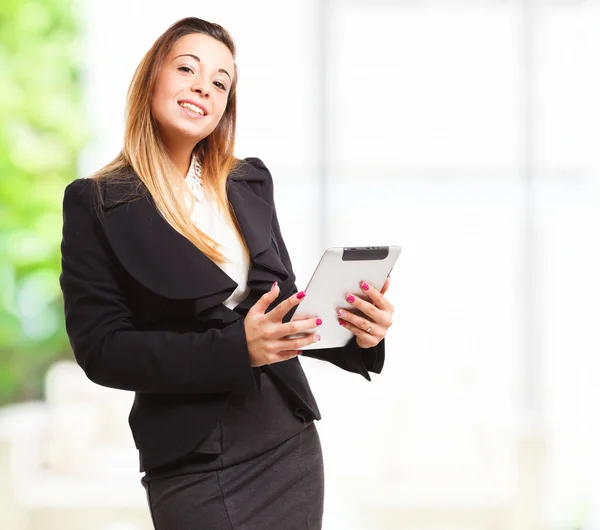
(266, 299)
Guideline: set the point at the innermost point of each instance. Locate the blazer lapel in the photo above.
(168, 264)
(156, 255)
(254, 216)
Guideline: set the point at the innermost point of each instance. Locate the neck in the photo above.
(181, 160)
(180, 154)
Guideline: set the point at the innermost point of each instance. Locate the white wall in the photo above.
(427, 148)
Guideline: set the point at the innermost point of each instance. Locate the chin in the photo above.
(185, 130)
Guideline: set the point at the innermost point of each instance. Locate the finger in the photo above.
(286, 355)
(284, 307)
(281, 356)
(370, 314)
(266, 299)
(376, 297)
(298, 326)
(356, 320)
(385, 286)
(372, 338)
(365, 306)
(297, 344)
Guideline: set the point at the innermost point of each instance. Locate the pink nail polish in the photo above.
(364, 286)
(300, 295)
(299, 352)
(319, 321)
(274, 285)
(350, 298)
(342, 323)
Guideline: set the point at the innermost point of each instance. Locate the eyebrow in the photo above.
(198, 60)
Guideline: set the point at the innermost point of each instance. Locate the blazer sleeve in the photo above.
(101, 328)
(351, 357)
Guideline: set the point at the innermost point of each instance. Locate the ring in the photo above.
(368, 330)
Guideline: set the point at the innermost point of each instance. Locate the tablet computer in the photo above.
(339, 272)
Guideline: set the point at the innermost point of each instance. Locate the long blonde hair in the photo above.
(144, 152)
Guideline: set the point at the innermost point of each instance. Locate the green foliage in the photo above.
(41, 133)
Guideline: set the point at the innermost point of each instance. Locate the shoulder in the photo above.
(82, 192)
(111, 190)
(258, 164)
(80, 213)
(251, 169)
(106, 191)
(79, 186)
(254, 169)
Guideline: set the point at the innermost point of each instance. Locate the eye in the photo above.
(220, 85)
(181, 68)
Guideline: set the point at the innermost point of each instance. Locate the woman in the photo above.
(178, 286)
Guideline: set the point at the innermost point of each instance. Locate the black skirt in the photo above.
(261, 467)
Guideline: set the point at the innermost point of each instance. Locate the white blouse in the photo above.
(210, 220)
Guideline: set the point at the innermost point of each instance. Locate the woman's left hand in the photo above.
(371, 328)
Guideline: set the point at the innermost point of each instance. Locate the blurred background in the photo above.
(462, 130)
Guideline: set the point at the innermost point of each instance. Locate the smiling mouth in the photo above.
(192, 108)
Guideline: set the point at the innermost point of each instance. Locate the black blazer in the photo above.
(144, 310)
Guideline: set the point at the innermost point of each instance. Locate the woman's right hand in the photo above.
(266, 334)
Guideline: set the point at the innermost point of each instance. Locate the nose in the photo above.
(201, 87)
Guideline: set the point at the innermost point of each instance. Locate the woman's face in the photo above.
(190, 92)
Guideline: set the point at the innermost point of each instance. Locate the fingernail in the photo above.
(300, 295)
(319, 321)
(299, 352)
(364, 286)
(341, 313)
(273, 286)
(317, 338)
(342, 323)
(350, 298)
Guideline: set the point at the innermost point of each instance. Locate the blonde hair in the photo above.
(144, 152)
